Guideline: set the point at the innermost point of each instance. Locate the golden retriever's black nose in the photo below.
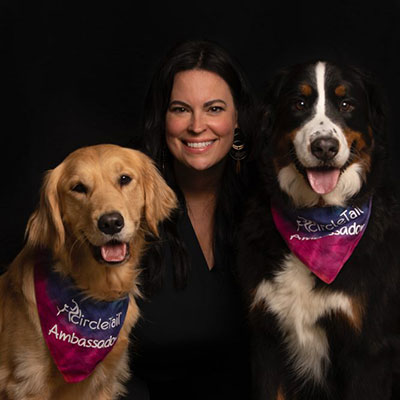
(111, 223)
(325, 148)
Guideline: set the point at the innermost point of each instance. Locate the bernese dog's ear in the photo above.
(377, 120)
(271, 93)
(377, 102)
(377, 105)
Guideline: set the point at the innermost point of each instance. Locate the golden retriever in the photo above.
(90, 228)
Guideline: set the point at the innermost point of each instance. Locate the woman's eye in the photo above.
(216, 109)
(124, 180)
(346, 106)
(178, 110)
(79, 188)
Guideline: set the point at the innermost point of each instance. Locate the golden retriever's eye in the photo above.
(79, 188)
(124, 180)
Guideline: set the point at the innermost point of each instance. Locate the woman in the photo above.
(191, 340)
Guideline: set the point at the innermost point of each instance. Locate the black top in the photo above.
(191, 344)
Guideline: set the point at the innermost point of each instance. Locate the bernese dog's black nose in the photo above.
(111, 223)
(325, 148)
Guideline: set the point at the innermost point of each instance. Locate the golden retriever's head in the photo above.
(97, 202)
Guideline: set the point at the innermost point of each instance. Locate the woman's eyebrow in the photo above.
(178, 102)
(210, 102)
(206, 104)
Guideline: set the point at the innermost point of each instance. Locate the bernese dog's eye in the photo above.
(345, 106)
(79, 188)
(124, 180)
(300, 105)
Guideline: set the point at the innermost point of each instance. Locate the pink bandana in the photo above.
(78, 331)
(322, 238)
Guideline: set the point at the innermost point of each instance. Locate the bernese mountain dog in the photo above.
(318, 250)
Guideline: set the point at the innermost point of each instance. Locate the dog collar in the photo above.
(79, 332)
(323, 238)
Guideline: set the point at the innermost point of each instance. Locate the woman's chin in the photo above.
(202, 164)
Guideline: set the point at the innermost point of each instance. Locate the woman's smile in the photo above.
(198, 147)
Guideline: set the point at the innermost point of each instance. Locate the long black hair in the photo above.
(209, 56)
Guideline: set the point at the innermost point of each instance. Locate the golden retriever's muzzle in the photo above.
(114, 251)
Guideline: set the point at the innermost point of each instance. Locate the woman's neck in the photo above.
(200, 190)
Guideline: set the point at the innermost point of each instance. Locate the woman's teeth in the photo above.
(198, 145)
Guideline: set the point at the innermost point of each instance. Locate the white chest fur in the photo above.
(291, 296)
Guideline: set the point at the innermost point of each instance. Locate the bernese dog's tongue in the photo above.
(114, 252)
(323, 181)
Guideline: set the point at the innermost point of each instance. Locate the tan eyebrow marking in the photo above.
(340, 91)
(305, 89)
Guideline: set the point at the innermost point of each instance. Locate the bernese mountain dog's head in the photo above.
(325, 128)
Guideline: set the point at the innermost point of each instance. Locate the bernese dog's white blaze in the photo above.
(320, 125)
(292, 298)
(329, 181)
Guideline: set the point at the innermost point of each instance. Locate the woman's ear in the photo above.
(45, 228)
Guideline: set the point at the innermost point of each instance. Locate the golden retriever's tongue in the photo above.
(323, 181)
(113, 252)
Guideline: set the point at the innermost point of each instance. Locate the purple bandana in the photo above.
(78, 331)
(322, 238)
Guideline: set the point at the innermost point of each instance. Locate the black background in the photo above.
(76, 74)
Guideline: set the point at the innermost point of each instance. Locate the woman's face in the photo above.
(200, 119)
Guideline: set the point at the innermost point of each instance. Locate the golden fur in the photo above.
(66, 223)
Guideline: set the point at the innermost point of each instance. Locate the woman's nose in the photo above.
(197, 123)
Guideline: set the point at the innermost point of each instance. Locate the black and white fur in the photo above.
(311, 340)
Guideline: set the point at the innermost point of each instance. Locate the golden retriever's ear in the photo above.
(160, 199)
(45, 228)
